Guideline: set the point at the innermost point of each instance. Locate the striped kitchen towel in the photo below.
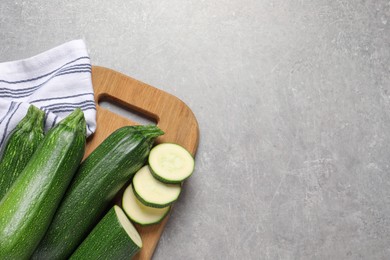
(56, 81)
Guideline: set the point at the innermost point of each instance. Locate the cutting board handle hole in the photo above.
(126, 111)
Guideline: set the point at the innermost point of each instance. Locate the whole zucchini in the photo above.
(29, 206)
(101, 175)
(21, 144)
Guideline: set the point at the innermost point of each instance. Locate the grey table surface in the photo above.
(292, 99)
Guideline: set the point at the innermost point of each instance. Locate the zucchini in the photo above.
(171, 163)
(114, 237)
(29, 206)
(100, 177)
(21, 144)
(138, 212)
(153, 193)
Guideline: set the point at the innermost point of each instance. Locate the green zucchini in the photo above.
(138, 212)
(114, 237)
(152, 192)
(29, 206)
(21, 144)
(171, 163)
(100, 177)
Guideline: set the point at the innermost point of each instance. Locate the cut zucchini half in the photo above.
(138, 212)
(128, 226)
(114, 237)
(152, 192)
(171, 163)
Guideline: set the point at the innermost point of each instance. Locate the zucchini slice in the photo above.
(114, 237)
(138, 212)
(152, 192)
(171, 163)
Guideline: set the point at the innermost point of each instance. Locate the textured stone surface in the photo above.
(292, 99)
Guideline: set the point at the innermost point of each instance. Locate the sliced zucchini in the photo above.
(138, 212)
(153, 193)
(99, 178)
(171, 163)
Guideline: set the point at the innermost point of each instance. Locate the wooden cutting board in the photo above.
(171, 114)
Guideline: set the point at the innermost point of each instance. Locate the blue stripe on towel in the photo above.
(56, 105)
(71, 72)
(56, 98)
(71, 109)
(11, 106)
(64, 109)
(44, 75)
(6, 126)
(79, 66)
(26, 94)
(11, 90)
(54, 121)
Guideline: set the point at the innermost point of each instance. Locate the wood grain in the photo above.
(171, 114)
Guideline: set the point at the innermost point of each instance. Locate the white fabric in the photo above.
(56, 81)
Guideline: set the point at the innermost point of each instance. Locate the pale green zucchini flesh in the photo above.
(153, 193)
(171, 163)
(138, 212)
